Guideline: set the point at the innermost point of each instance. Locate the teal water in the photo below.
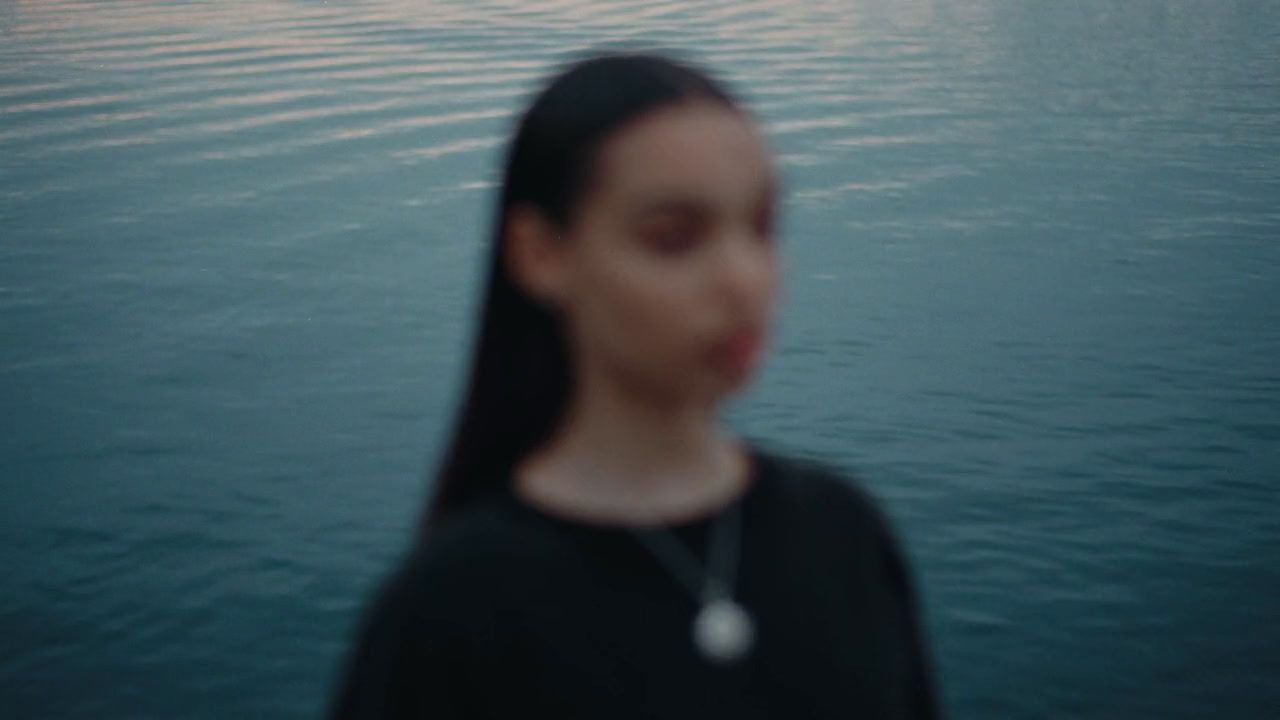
(1032, 292)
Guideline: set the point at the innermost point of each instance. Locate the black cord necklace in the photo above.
(723, 631)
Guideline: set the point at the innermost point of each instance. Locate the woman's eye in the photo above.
(671, 240)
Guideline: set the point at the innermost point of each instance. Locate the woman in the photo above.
(597, 546)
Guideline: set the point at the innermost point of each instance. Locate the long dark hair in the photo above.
(521, 375)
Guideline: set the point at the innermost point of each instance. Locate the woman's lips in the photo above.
(740, 349)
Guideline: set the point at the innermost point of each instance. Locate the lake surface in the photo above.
(1032, 294)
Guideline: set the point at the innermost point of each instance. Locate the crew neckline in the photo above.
(756, 461)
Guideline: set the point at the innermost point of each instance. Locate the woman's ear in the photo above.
(534, 254)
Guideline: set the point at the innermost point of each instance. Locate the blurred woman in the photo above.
(597, 545)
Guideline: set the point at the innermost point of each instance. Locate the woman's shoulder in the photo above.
(422, 616)
(438, 584)
(450, 557)
(838, 499)
(463, 548)
(823, 485)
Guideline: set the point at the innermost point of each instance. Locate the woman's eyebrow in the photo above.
(676, 204)
(685, 204)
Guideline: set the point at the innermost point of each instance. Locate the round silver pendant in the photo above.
(723, 631)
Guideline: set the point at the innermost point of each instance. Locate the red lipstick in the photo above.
(740, 349)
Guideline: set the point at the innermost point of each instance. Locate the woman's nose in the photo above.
(745, 269)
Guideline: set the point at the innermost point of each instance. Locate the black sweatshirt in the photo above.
(511, 611)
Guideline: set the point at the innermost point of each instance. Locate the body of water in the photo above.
(1032, 292)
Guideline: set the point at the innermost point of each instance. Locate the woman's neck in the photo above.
(616, 458)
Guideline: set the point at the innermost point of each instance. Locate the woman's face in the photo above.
(669, 273)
